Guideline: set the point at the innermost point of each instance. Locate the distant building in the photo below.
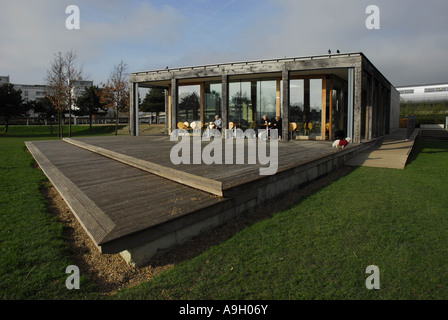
(79, 87)
(37, 91)
(426, 93)
(31, 92)
(4, 79)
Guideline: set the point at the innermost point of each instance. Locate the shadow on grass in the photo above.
(419, 145)
(210, 238)
(45, 131)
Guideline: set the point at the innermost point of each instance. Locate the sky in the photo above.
(410, 46)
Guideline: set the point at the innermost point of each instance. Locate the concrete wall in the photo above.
(394, 109)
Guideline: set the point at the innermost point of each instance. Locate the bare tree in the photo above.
(57, 87)
(72, 74)
(115, 93)
(60, 81)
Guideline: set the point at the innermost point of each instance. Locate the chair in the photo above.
(292, 128)
(196, 125)
(180, 125)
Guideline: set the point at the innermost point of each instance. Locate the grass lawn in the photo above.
(317, 249)
(320, 248)
(33, 254)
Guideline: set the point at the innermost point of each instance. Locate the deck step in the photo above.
(204, 184)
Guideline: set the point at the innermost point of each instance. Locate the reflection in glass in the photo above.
(189, 103)
(306, 106)
(251, 99)
(296, 101)
(241, 105)
(315, 108)
(266, 99)
(212, 101)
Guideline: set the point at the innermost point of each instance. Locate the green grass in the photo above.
(38, 131)
(321, 247)
(33, 253)
(317, 249)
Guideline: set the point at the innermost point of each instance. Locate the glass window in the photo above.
(242, 105)
(212, 101)
(250, 100)
(296, 101)
(266, 99)
(315, 108)
(306, 106)
(189, 103)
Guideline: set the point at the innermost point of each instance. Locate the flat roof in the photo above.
(251, 62)
(424, 85)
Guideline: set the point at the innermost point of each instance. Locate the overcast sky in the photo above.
(410, 47)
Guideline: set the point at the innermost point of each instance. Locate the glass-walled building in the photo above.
(314, 97)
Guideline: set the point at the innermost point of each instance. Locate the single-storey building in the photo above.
(315, 96)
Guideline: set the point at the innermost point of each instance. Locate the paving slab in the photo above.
(392, 153)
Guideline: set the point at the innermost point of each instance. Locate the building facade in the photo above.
(37, 91)
(427, 93)
(4, 79)
(314, 96)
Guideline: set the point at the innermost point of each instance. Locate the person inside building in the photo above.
(277, 124)
(264, 122)
(218, 123)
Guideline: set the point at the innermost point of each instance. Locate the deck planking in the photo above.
(126, 199)
(122, 205)
(290, 154)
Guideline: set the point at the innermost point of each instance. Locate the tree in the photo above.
(89, 104)
(72, 74)
(154, 101)
(46, 110)
(60, 81)
(57, 87)
(11, 103)
(115, 93)
(191, 102)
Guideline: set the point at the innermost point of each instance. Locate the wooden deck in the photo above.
(126, 192)
(112, 199)
(155, 151)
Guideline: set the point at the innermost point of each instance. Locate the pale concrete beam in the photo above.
(135, 118)
(357, 108)
(132, 123)
(174, 103)
(369, 111)
(251, 67)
